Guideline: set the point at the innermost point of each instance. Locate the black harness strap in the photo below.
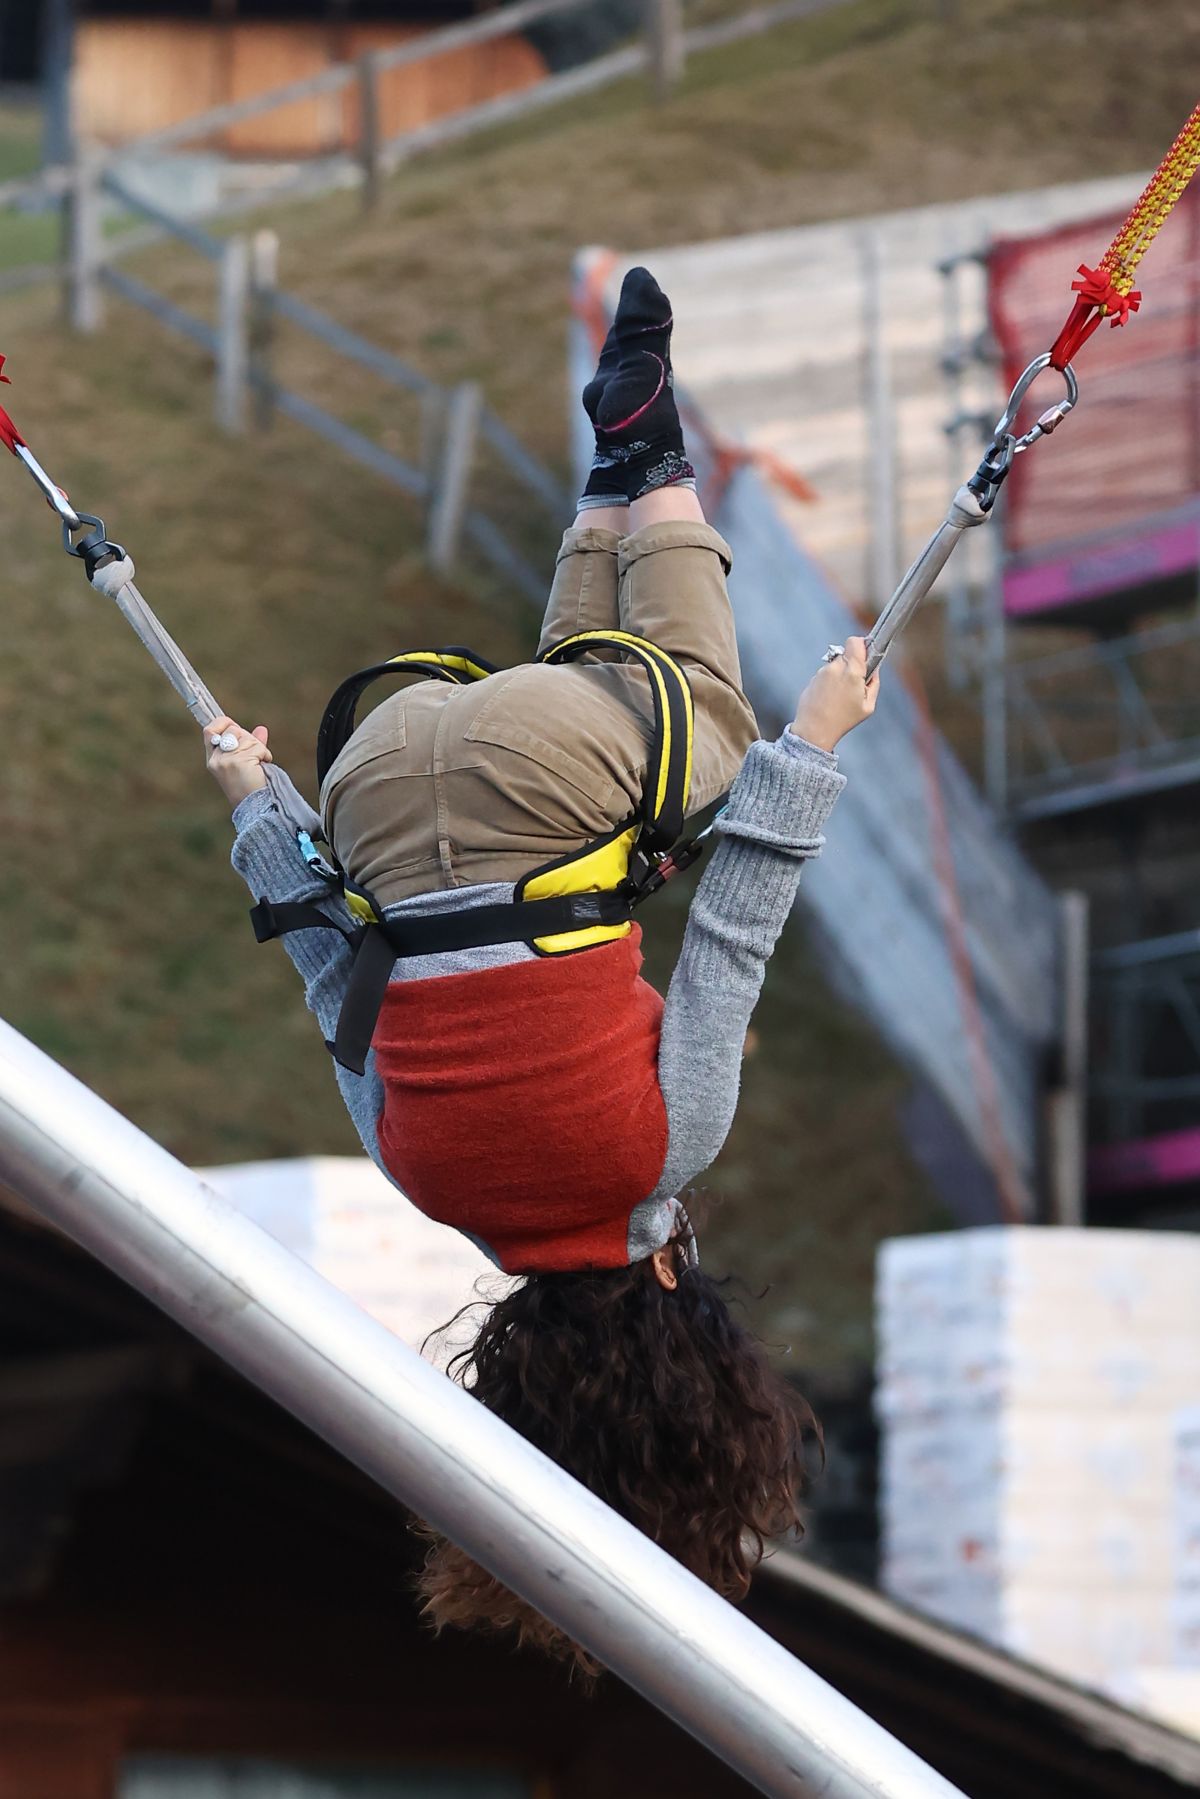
(377, 946)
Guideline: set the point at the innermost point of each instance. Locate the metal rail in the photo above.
(351, 442)
(349, 344)
(1146, 1001)
(123, 1198)
(1104, 723)
(159, 307)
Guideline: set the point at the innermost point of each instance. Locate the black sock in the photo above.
(606, 477)
(631, 401)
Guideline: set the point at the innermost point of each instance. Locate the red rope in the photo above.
(1098, 299)
(10, 437)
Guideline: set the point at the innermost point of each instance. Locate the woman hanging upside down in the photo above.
(552, 1106)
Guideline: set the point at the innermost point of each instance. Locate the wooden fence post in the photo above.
(450, 490)
(264, 279)
(664, 30)
(233, 337)
(370, 131)
(84, 245)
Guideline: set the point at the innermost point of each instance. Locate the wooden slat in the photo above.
(265, 56)
(419, 92)
(138, 75)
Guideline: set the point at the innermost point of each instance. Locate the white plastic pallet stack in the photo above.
(1186, 1597)
(342, 1217)
(1028, 1382)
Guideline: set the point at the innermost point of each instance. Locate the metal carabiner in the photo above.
(52, 494)
(1050, 419)
(1005, 446)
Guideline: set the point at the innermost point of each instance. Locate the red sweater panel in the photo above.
(522, 1104)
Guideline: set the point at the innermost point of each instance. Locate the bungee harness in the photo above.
(570, 904)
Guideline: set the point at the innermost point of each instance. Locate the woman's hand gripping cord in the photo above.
(235, 758)
(838, 697)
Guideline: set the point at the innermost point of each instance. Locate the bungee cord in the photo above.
(111, 571)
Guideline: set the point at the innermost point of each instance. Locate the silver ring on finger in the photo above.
(833, 652)
(227, 740)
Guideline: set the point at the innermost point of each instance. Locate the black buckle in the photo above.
(262, 917)
(681, 857)
(94, 549)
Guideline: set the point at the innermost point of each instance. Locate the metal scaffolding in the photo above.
(1146, 999)
(1104, 723)
(123, 1198)
(1110, 719)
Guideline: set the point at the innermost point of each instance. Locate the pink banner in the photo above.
(1088, 571)
(1164, 1161)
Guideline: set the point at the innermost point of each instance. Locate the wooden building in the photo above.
(199, 1600)
(141, 65)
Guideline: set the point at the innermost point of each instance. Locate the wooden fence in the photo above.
(661, 50)
(250, 306)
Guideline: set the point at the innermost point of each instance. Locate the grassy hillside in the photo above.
(126, 951)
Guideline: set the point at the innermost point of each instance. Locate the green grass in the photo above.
(279, 567)
(24, 236)
(20, 141)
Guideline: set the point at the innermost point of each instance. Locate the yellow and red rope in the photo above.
(1107, 291)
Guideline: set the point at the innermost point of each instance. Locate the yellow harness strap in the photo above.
(631, 851)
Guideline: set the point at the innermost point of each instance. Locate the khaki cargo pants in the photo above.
(446, 786)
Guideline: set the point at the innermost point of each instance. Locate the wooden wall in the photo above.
(138, 75)
(239, 1591)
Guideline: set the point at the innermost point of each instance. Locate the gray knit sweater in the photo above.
(770, 827)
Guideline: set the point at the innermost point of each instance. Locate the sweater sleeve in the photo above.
(267, 857)
(769, 829)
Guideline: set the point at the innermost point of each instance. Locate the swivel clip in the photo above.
(94, 549)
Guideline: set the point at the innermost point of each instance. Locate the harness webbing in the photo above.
(455, 664)
(377, 945)
(584, 898)
(669, 777)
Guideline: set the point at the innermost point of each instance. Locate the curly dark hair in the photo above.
(661, 1402)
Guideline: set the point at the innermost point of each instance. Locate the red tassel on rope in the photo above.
(1098, 299)
(10, 437)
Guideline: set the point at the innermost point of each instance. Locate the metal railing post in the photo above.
(124, 1199)
(1066, 1105)
(370, 128)
(264, 283)
(84, 243)
(882, 496)
(233, 335)
(667, 48)
(451, 489)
